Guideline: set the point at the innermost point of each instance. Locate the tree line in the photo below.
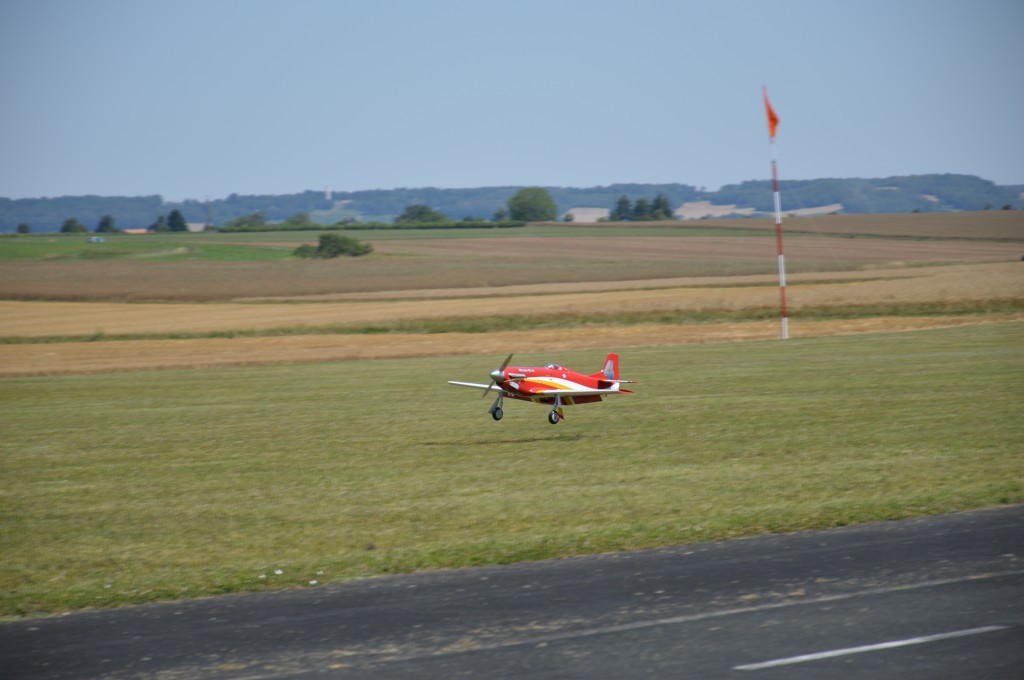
(531, 204)
(173, 221)
(644, 209)
(925, 193)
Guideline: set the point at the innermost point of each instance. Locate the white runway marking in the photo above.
(705, 616)
(867, 648)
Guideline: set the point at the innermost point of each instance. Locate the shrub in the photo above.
(334, 245)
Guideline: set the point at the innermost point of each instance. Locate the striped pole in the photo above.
(773, 121)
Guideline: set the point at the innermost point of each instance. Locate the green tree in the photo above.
(160, 224)
(255, 219)
(642, 209)
(532, 204)
(622, 211)
(24, 228)
(420, 214)
(661, 209)
(72, 226)
(299, 219)
(106, 225)
(176, 221)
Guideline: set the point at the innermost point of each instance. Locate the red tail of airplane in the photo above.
(611, 368)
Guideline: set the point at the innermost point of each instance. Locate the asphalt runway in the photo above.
(937, 597)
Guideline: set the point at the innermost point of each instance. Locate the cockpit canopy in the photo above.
(553, 367)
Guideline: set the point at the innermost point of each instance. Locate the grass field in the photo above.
(132, 487)
(302, 431)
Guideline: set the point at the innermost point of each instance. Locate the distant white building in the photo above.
(587, 215)
(697, 210)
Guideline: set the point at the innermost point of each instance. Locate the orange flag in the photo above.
(773, 120)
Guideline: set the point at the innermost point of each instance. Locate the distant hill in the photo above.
(923, 193)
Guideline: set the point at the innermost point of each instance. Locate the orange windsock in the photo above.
(773, 120)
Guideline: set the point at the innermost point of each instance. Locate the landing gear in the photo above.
(495, 409)
(556, 412)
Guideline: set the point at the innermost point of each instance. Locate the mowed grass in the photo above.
(143, 248)
(278, 245)
(125, 488)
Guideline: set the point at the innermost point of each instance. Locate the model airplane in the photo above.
(551, 384)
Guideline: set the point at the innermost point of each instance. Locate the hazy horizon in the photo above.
(193, 99)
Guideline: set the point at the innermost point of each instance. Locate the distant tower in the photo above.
(327, 193)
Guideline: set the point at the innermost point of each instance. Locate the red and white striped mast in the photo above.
(773, 122)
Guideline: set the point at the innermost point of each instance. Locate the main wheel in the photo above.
(553, 418)
(497, 414)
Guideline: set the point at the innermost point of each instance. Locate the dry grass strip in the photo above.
(961, 283)
(143, 355)
(748, 280)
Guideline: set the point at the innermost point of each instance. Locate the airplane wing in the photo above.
(489, 388)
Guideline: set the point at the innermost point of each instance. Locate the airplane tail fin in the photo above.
(611, 368)
(609, 375)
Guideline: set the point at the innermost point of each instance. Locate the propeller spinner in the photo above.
(498, 374)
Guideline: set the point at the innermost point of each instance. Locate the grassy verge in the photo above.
(266, 244)
(126, 488)
(511, 322)
(148, 248)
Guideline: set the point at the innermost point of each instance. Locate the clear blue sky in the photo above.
(203, 98)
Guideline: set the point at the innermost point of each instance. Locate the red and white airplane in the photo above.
(551, 384)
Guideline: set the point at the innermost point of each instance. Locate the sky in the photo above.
(204, 98)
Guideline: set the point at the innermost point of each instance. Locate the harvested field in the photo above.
(962, 283)
(564, 256)
(594, 286)
(144, 355)
(653, 248)
(577, 286)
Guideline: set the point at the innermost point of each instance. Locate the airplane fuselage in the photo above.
(542, 385)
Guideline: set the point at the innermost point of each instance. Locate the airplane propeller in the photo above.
(498, 374)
